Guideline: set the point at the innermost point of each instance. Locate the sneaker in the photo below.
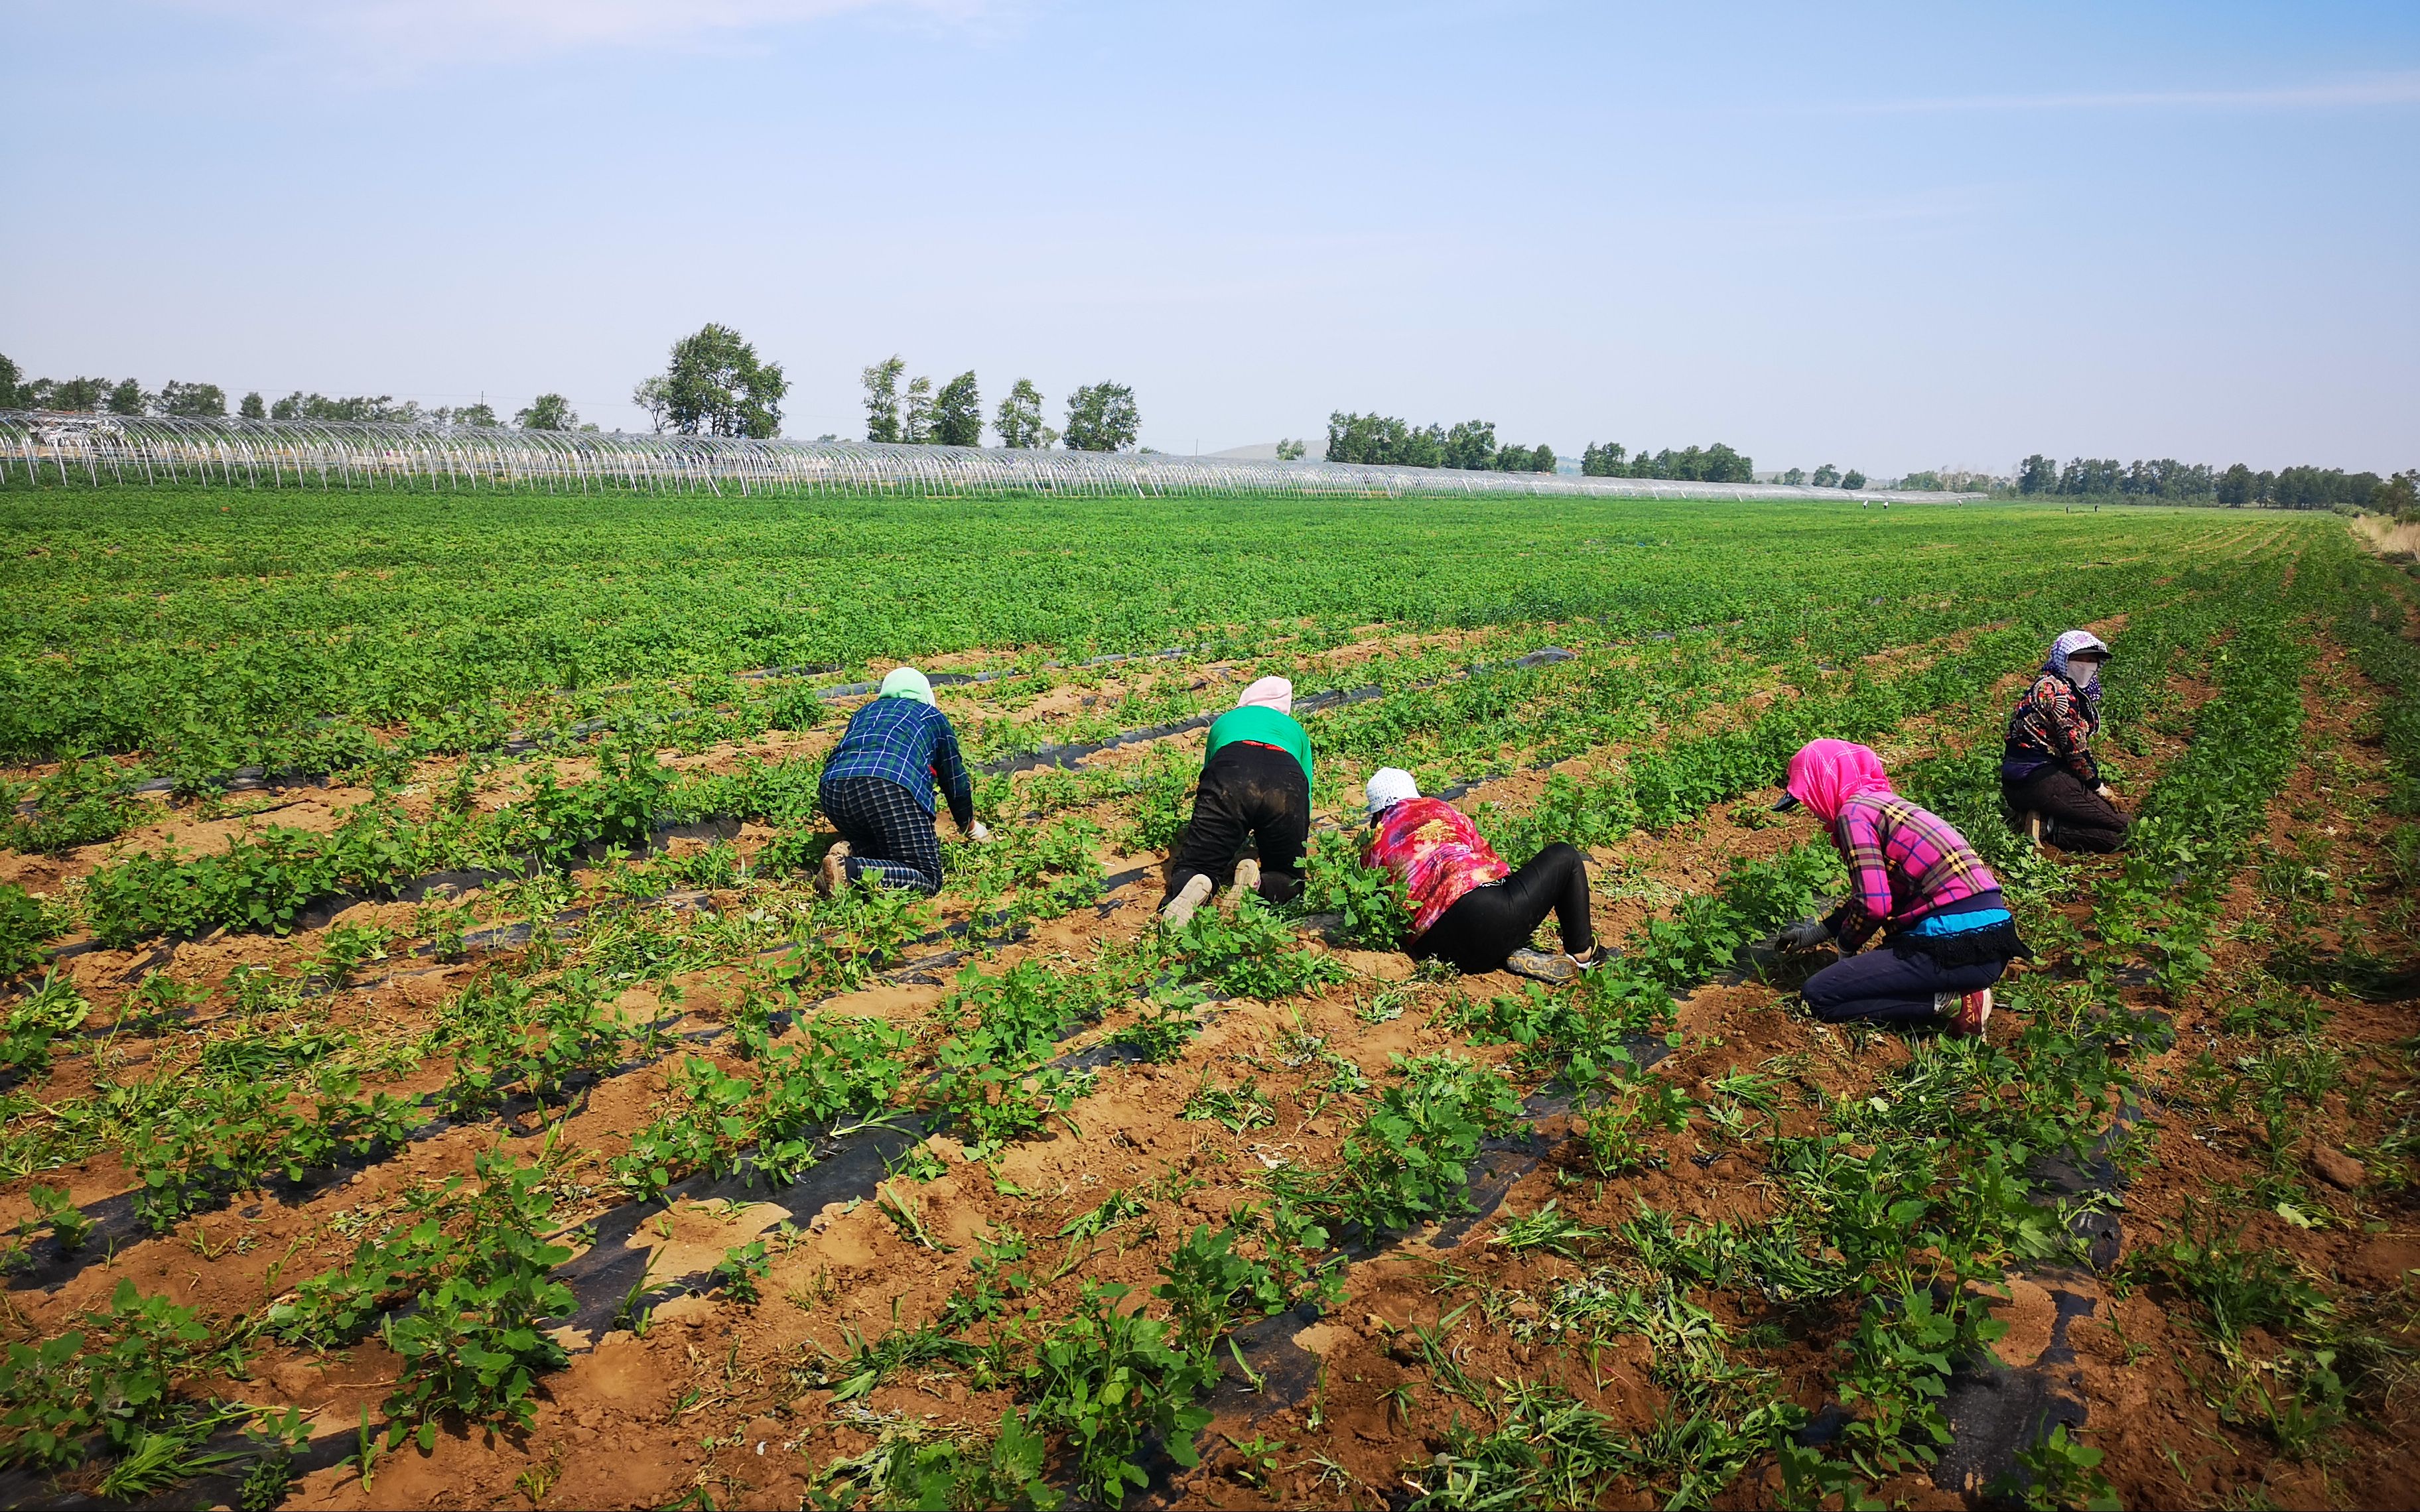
(1966, 1013)
(833, 875)
(1248, 879)
(1178, 910)
(1538, 967)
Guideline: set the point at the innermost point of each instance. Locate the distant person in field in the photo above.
(1467, 907)
(877, 789)
(2047, 773)
(1255, 786)
(1946, 932)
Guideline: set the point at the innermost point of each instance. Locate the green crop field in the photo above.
(431, 1079)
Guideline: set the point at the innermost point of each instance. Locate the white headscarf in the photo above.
(905, 682)
(1389, 786)
(1268, 693)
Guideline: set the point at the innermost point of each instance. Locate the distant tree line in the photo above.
(1826, 476)
(177, 399)
(2165, 478)
(1384, 440)
(1101, 417)
(1712, 464)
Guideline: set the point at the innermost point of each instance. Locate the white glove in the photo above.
(2102, 791)
(977, 831)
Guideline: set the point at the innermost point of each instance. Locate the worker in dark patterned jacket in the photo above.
(877, 789)
(2047, 774)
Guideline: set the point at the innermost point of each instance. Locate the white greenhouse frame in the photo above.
(41, 446)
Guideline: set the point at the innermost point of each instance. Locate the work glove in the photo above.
(1806, 935)
(2102, 791)
(977, 832)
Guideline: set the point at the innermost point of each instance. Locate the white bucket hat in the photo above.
(1389, 786)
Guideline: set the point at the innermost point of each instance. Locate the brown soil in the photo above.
(711, 1394)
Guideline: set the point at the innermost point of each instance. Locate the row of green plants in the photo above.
(282, 636)
(1431, 1116)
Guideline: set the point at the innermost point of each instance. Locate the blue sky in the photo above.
(1883, 236)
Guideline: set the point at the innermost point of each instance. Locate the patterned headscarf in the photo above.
(2067, 645)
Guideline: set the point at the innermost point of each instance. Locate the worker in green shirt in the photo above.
(1255, 785)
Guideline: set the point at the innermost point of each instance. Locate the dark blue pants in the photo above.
(890, 835)
(1882, 986)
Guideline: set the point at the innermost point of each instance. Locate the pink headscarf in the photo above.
(1268, 693)
(1826, 774)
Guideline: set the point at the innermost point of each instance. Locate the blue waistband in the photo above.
(1981, 919)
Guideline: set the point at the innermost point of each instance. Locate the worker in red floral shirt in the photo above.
(1947, 931)
(1467, 907)
(2047, 774)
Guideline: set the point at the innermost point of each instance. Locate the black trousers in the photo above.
(1882, 986)
(2077, 818)
(890, 835)
(1247, 793)
(1487, 924)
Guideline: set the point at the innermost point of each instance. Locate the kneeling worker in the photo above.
(877, 789)
(2047, 774)
(1948, 934)
(1255, 785)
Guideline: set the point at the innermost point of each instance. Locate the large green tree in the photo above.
(1470, 445)
(125, 397)
(957, 413)
(881, 382)
(190, 400)
(1102, 417)
(1018, 419)
(716, 385)
(916, 413)
(547, 411)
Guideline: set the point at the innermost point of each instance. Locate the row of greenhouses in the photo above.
(37, 447)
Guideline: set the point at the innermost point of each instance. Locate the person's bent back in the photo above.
(1255, 786)
(1467, 907)
(877, 788)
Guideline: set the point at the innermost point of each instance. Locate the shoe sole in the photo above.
(1552, 970)
(1248, 879)
(1178, 911)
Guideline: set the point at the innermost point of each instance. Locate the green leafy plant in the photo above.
(1408, 1161)
(1367, 900)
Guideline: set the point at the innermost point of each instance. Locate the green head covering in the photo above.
(905, 682)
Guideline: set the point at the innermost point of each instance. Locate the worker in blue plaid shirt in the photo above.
(877, 789)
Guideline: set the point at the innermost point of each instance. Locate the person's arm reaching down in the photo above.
(950, 776)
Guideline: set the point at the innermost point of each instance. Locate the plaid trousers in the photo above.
(890, 835)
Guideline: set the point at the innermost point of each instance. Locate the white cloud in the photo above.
(403, 32)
